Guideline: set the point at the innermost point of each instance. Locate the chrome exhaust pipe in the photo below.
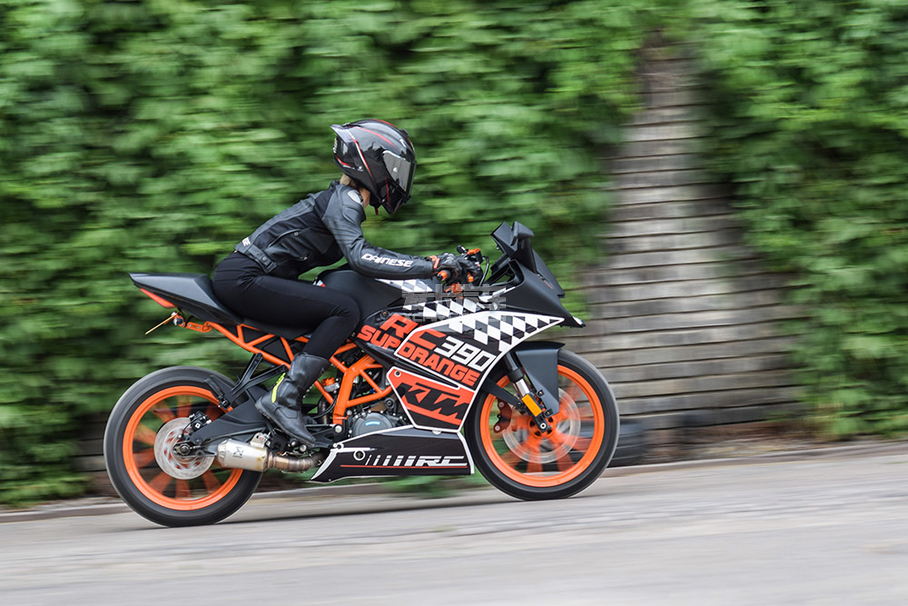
(255, 457)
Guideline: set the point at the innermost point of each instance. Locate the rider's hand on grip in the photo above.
(451, 268)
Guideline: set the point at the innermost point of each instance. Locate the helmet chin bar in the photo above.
(389, 190)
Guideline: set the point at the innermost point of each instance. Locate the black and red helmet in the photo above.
(380, 156)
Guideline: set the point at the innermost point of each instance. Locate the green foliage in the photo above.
(811, 124)
(153, 135)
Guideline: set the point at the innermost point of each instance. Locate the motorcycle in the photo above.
(439, 379)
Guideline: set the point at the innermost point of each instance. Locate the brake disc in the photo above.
(568, 424)
(181, 468)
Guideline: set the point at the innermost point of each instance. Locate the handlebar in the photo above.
(443, 276)
(474, 256)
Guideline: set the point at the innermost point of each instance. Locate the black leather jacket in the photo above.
(320, 230)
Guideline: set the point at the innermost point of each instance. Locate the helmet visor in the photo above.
(400, 170)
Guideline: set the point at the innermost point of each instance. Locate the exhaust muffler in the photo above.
(255, 457)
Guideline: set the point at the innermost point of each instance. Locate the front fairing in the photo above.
(546, 274)
(536, 294)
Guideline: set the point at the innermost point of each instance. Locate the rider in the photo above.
(259, 279)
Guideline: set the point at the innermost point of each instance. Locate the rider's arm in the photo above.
(343, 217)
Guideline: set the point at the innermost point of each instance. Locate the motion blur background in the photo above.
(153, 135)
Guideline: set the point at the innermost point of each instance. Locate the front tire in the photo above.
(170, 492)
(515, 460)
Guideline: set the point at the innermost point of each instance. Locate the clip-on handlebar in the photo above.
(475, 257)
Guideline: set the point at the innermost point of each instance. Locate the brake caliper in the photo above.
(504, 416)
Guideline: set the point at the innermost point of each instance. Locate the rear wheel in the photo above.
(518, 459)
(138, 451)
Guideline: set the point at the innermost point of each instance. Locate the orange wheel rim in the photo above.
(550, 459)
(138, 452)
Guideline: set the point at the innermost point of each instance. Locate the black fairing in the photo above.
(543, 270)
(515, 243)
(385, 451)
(537, 291)
(534, 295)
(190, 292)
(370, 294)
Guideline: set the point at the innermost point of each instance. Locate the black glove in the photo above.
(451, 268)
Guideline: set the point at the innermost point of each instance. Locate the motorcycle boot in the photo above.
(283, 404)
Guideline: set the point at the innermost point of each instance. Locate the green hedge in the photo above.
(152, 136)
(811, 124)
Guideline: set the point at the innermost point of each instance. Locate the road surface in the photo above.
(829, 529)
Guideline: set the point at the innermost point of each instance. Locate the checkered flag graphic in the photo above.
(446, 308)
(498, 331)
(413, 285)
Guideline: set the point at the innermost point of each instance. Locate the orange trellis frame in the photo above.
(278, 351)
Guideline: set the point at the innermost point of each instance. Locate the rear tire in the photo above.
(515, 460)
(143, 414)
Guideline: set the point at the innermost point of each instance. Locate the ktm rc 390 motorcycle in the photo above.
(435, 381)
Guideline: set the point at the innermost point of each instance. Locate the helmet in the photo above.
(380, 157)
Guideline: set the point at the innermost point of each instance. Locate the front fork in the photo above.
(541, 405)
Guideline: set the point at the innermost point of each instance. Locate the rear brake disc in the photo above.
(181, 468)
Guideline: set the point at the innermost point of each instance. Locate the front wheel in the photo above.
(522, 462)
(138, 451)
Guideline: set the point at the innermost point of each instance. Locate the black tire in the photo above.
(156, 399)
(633, 443)
(512, 458)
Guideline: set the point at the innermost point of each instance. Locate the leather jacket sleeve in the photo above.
(343, 217)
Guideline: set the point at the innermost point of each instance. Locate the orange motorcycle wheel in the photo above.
(517, 458)
(143, 427)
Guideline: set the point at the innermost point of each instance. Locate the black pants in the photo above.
(243, 286)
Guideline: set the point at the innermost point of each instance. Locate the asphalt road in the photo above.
(827, 529)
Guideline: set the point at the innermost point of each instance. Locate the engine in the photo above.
(369, 418)
(377, 418)
(374, 421)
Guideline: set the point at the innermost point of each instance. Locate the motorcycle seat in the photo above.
(190, 292)
(195, 294)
